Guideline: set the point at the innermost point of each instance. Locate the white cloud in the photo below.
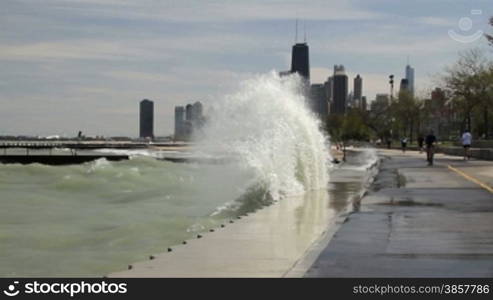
(436, 21)
(217, 11)
(391, 44)
(72, 49)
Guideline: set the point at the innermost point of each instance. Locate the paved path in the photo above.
(417, 221)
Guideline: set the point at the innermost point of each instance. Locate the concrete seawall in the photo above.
(57, 159)
(270, 242)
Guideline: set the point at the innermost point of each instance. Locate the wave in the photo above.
(268, 126)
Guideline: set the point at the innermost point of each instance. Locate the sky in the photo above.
(70, 65)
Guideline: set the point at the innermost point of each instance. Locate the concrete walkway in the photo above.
(417, 221)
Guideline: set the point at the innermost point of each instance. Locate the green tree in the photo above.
(379, 120)
(353, 126)
(469, 83)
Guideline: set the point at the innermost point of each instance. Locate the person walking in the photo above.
(430, 141)
(421, 141)
(466, 143)
(404, 144)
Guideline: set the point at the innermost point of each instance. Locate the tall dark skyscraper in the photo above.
(339, 90)
(300, 62)
(146, 119)
(358, 90)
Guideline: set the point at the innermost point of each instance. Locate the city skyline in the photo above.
(73, 65)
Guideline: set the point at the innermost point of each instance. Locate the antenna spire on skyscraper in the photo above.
(296, 32)
(304, 31)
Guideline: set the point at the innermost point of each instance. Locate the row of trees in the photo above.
(469, 84)
(465, 102)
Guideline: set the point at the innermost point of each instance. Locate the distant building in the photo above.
(382, 98)
(146, 119)
(438, 95)
(358, 90)
(443, 117)
(179, 122)
(197, 114)
(300, 62)
(319, 102)
(188, 120)
(339, 90)
(381, 102)
(329, 86)
(364, 104)
(404, 86)
(410, 78)
(188, 112)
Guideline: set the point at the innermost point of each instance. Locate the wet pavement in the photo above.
(417, 221)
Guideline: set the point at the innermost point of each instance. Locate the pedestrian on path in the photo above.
(421, 141)
(430, 141)
(404, 144)
(466, 143)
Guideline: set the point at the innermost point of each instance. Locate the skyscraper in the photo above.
(328, 90)
(382, 98)
(319, 101)
(146, 119)
(358, 90)
(339, 90)
(188, 112)
(380, 104)
(188, 120)
(179, 122)
(197, 113)
(404, 86)
(300, 62)
(364, 104)
(410, 78)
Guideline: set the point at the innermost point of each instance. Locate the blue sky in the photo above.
(70, 65)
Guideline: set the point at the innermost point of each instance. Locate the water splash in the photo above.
(268, 127)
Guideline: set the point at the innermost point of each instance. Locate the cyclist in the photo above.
(404, 144)
(430, 141)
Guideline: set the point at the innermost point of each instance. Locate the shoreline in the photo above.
(274, 241)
